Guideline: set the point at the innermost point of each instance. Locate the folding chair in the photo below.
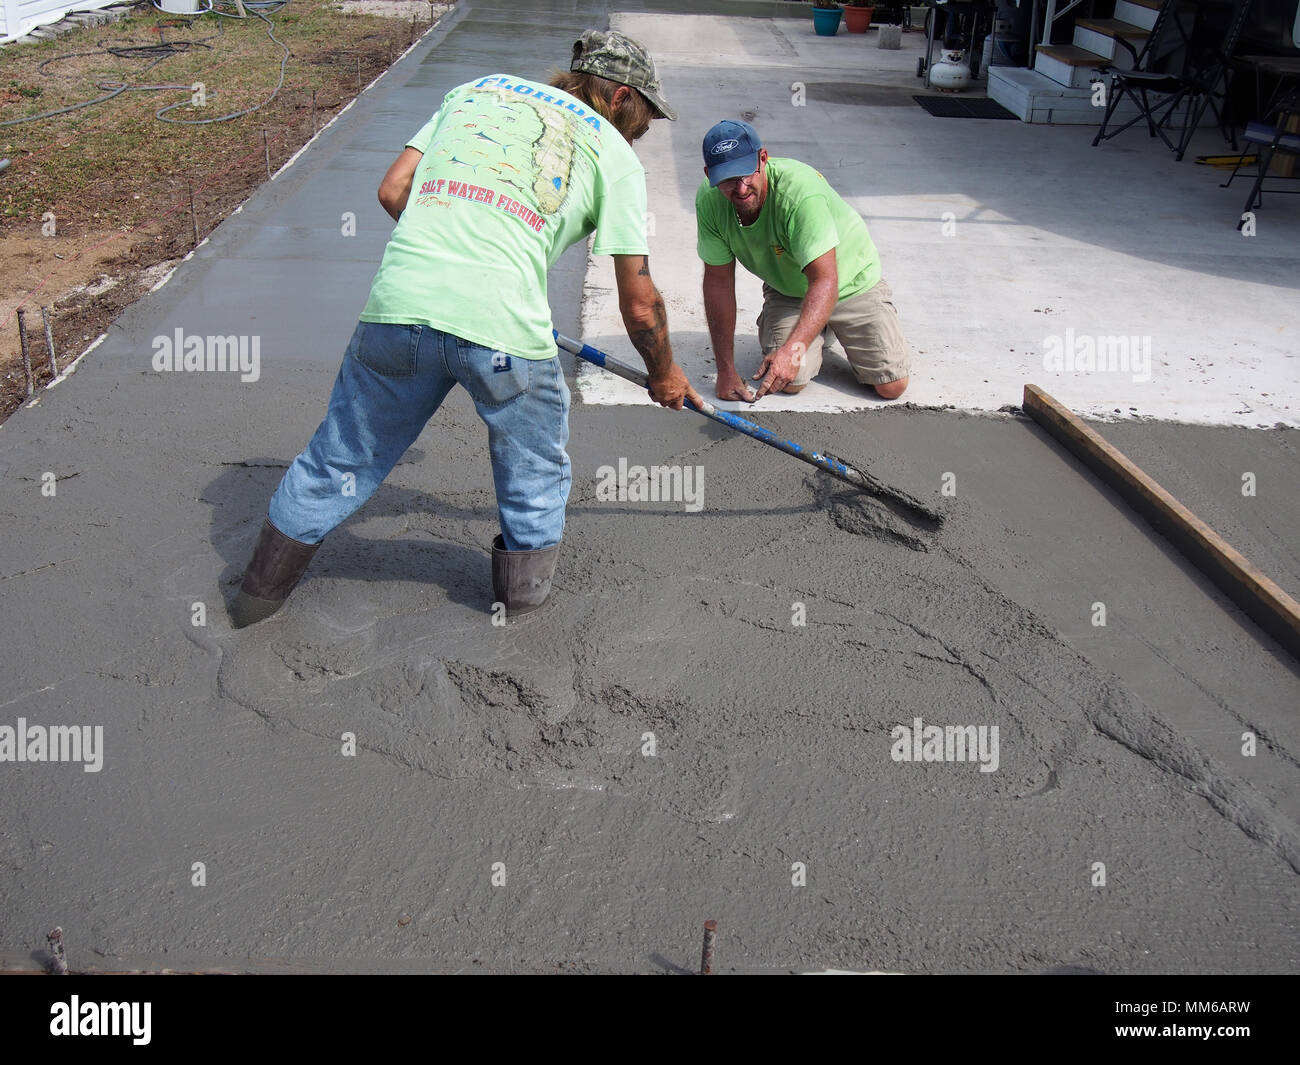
(1271, 138)
(1185, 61)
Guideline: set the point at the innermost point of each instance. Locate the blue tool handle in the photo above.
(829, 463)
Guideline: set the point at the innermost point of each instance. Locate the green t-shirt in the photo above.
(802, 218)
(513, 173)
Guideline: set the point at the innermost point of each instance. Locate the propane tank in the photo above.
(952, 72)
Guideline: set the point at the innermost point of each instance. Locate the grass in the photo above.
(114, 181)
(73, 163)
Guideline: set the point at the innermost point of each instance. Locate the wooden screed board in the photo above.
(1273, 610)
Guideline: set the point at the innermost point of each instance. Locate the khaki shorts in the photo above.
(866, 325)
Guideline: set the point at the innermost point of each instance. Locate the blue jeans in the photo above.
(393, 378)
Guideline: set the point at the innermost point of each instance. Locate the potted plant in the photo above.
(857, 16)
(826, 17)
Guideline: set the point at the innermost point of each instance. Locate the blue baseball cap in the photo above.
(731, 151)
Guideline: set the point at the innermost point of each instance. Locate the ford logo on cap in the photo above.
(731, 149)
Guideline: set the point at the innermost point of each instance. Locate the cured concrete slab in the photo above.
(704, 721)
(1112, 276)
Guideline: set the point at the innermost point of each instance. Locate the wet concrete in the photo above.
(527, 744)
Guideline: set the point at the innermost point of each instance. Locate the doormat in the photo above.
(957, 107)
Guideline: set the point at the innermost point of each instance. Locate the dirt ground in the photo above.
(95, 205)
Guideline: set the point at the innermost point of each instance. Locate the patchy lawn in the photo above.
(95, 204)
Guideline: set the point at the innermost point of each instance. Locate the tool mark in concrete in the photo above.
(1265, 736)
(1117, 715)
(593, 742)
(863, 515)
(529, 709)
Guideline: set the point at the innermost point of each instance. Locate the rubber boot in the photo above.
(276, 567)
(522, 579)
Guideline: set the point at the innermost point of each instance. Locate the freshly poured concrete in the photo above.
(994, 236)
(526, 745)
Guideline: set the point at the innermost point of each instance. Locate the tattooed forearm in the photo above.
(645, 267)
(652, 340)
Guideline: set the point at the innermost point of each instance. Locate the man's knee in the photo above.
(794, 390)
(891, 389)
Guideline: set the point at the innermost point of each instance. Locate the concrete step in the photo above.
(1068, 64)
(1138, 12)
(1099, 35)
(57, 26)
(1032, 97)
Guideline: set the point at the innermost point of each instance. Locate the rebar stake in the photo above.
(49, 342)
(27, 355)
(59, 966)
(710, 941)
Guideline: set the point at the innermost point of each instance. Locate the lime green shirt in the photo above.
(513, 172)
(801, 219)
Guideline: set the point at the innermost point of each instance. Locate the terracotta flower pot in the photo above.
(857, 19)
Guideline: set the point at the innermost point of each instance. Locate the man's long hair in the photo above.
(633, 118)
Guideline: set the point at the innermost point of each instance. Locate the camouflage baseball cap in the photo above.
(608, 54)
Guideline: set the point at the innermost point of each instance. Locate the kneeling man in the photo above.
(821, 273)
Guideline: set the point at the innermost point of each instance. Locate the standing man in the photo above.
(486, 196)
(820, 270)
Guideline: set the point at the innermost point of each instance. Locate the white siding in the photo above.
(18, 17)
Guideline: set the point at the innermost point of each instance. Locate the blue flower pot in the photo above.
(826, 20)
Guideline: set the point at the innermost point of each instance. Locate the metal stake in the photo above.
(710, 940)
(55, 939)
(193, 214)
(49, 342)
(27, 355)
(266, 147)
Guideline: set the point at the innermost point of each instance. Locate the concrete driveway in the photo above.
(717, 716)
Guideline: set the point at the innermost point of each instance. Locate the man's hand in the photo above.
(779, 368)
(670, 388)
(732, 386)
(782, 366)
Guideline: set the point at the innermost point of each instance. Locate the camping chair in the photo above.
(1185, 61)
(1271, 138)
